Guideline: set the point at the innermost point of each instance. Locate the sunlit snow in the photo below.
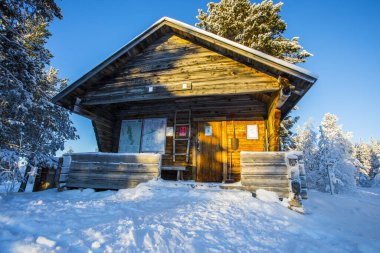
(167, 216)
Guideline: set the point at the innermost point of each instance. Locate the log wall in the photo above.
(162, 68)
(265, 170)
(111, 171)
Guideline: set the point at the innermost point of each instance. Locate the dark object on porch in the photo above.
(179, 170)
(45, 179)
(296, 187)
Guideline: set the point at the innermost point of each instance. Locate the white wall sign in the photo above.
(208, 131)
(169, 131)
(252, 132)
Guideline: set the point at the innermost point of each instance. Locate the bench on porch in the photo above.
(179, 170)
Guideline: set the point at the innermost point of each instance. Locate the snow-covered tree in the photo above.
(375, 156)
(363, 153)
(30, 122)
(334, 156)
(10, 174)
(305, 140)
(257, 25)
(31, 125)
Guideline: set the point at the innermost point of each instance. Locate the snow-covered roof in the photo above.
(281, 66)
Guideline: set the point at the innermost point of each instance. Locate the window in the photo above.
(130, 134)
(145, 136)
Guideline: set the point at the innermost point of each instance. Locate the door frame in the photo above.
(224, 145)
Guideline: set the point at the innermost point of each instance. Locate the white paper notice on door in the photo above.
(208, 131)
(252, 132)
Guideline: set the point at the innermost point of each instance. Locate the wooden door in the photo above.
(209, 152)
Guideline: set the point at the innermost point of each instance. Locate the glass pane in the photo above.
(130, 134)
(154, 137)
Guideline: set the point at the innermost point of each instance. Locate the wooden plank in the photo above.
(116, 158)
(261, 182)
(110, 176)
(265, 177)
(262, 157)
(245, 88)
(224, 150)
(174, 83)
(248, 169)
(114, 167)
(209, 118)
(173, 168)
(102, 184)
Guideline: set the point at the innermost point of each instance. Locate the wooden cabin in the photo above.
(194, 97)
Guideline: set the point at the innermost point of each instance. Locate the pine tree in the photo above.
(258, 26)
(334, 156)
(286, 133)
(31, 124)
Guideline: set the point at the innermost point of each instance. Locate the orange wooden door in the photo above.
(209, 152)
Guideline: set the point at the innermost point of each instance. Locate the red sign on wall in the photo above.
(182, 131)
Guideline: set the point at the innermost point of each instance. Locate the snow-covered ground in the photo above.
(176, 217)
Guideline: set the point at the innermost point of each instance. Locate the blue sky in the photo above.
(343, 36)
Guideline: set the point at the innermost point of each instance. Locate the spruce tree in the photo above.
(32, 126)
(286, 133)
(258, 26)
